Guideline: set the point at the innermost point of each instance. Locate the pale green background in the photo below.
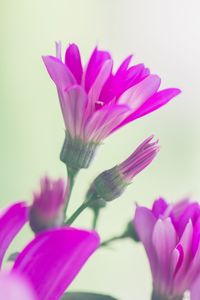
(164, 35)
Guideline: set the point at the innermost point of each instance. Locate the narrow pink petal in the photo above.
(176, 259)
(159, 207)
(15, 287)
(54, 258)
(94, 66)
(117, 84)
(186, 244)
(11, 222)
(73, 61)
(95, 90)
(73, 107)
(164, 241)
(144, 222)
(138, 94)
(103, 121)
(153, 103)
(124, 65)
(188, 211)
(59, 72)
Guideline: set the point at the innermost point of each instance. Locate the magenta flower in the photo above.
(60, 251)
(111, 183)
(95, 101)
(171, 237)
(47, 209)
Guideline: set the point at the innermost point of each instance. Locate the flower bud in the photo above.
(76, 153)
(110, 184)
(47, 209)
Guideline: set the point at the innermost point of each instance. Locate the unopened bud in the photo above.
(47, 209)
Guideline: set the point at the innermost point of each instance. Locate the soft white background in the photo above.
(162, 34)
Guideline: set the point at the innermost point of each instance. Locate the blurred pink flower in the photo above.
(94, 100)
(60, 251)
(47, 209)
(171, 237)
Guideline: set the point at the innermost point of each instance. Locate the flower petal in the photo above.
(153, 103)
(11, 221)
(159, 207)
(96, 87)
(14, 287)
(54, 258)
(94, 66)
(59, 72)
(73, 61)
(103, 121)
(144, 222)
(164, 241)
(139, 93)
(74, 102)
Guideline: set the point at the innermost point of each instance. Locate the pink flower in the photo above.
(47, 209)
(48, 264)
(171, 237)
(95, 101)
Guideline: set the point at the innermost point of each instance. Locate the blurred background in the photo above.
(162, 34)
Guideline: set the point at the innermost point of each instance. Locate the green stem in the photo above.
(71, 177)
(95, 219)
(77, 213)
(113, 239)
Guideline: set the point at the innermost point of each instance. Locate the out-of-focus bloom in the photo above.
(14, 287)
(47, 209)
(110, 184)
(95, 101)
(171, 237)
(60, 251)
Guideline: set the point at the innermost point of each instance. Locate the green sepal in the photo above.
(77, 154)
(108, 186)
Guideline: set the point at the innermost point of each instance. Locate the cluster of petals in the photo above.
(95, 101)
(139, 159)
(48, 264)
(170, 234)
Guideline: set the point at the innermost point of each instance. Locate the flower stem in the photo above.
(95, 218)
(113, 239)
(71, 177)
(77, 213)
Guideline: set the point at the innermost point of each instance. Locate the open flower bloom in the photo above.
(62, 251)
(111, 183)
(95, 101)
(171, 237)
(47, 209)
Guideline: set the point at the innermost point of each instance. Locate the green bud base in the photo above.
(77, 154)
(108, 186)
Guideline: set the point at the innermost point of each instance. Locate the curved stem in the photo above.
(113, 239)
(71, 177)
(77, 213)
